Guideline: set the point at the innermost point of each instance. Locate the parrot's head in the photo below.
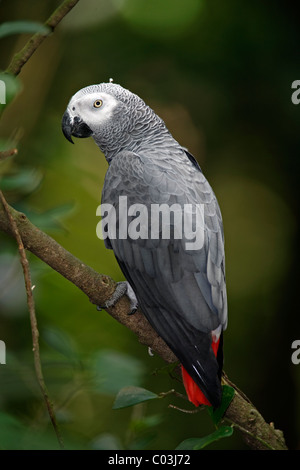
(112, 115)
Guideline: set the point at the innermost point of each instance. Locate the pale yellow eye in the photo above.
(98, 103)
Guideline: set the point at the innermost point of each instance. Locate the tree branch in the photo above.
(20, 58)
(98, 287)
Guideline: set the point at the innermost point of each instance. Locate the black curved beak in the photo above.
(74, 127)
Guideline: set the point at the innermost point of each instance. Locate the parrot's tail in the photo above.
(195, 395)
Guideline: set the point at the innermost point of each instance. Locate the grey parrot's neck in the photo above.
(143, 137)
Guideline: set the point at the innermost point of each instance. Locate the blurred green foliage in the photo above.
(19, 27)
(220, 75)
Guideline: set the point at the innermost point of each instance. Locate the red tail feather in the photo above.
(195, 395)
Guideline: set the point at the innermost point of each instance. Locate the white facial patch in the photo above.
(83, 106)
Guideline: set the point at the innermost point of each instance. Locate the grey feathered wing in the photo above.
(181, 292)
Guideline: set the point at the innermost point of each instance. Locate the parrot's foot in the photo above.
(122, 288)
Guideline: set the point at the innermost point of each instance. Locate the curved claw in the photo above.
(133, 311)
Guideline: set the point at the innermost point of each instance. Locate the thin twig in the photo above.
(182, 410)
(20, 58)
(7, 153)
(172, 392)
(33, 319)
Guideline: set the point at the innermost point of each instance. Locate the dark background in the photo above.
(220, 75)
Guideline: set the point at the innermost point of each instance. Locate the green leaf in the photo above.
(130, 396)
(19, 27)
(218, 413)
(198, 443)
(25, 180)
(114, 370)
(50, 219)
(60, 341)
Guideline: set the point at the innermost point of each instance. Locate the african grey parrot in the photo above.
(182, 292)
